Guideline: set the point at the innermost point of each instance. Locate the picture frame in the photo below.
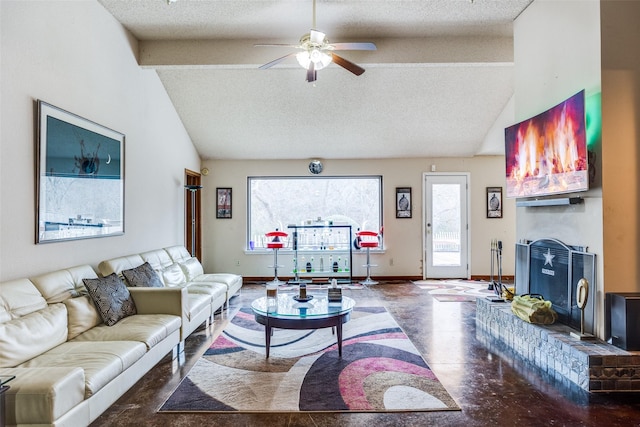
(403, 202)
(494, 202)
(79, 177)
(223, 202)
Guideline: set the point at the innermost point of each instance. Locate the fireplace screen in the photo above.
(553, 269)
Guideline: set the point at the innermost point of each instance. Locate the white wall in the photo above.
(557, 53)
(76, 56)
(224, 239)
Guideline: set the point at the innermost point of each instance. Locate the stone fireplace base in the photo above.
(594, 366)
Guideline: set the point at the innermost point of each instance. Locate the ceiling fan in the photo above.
(317, 53)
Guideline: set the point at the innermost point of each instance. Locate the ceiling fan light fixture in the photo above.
(317, 53)
(319, 58)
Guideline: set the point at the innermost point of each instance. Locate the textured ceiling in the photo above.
(439, 80)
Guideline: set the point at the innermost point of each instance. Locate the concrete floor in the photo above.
(491, 387)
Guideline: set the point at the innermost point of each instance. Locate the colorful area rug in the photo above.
(455, 290)
(380, 371)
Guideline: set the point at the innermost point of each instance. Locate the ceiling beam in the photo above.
(406, 51)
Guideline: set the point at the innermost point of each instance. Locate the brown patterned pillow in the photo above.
(112, 298)
(143, 275)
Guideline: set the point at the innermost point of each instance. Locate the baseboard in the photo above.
(507, 279)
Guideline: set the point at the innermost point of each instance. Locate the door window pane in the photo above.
(446, 224)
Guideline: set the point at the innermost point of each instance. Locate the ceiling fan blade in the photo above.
(347, 65)
(353, 46)
(311, 72)
(316, 36)
(278, 45)
(276, 61)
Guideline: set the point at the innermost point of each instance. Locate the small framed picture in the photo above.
(223, 202)
(403, 202)
(494, 202)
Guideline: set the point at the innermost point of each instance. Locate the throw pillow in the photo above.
(192, 268)
(173, 275)
(112, 298)
(143, 275)
(82, 315)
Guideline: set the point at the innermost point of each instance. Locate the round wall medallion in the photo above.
(315, 167)
(204, 171)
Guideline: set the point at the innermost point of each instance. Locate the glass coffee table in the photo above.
(285, 312)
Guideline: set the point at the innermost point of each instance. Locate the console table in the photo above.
(322, 251)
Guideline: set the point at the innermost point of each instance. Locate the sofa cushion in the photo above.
(82, 315)
(61, 284)
(197, 304)
(28, 336)
(173, 275)
(192, 268)
(101, 361)
(116, 265)
(149, 329)
(112, 298)
(232, 281)
(143, 275)
(213, 289)
(19, 297)
(194, 272)
(178, 253)
(159, 259)
(39, 396)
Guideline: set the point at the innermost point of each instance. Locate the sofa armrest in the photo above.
(40, 396)
(161, 301)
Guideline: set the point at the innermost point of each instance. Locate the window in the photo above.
(276, 202)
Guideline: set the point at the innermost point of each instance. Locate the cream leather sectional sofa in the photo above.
(205, 293)
(69, 365)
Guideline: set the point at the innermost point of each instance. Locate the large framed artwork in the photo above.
(80, 177)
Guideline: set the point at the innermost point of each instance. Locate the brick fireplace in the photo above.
(553, 269)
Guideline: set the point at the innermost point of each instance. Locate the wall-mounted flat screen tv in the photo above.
(547, 154)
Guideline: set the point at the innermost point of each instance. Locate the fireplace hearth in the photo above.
(593, 366)
(553, 269)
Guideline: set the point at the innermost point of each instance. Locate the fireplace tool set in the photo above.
(497, 286)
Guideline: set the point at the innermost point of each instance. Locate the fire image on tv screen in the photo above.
(547, 154)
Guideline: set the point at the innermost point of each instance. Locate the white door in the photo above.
(446, 226)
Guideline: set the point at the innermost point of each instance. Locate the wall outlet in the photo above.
(391, 261)
(237, 263)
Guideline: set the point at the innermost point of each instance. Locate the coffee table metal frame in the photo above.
(286, 313)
